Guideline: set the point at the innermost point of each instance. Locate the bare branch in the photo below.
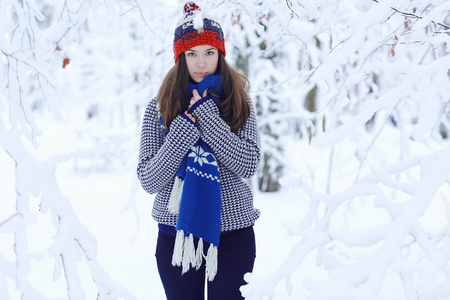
(289, 5)
(143, 18)
(414, 16)
(5, 222)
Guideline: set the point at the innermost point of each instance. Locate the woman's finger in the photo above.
(192, 102)
(196, 95)
(191, 116)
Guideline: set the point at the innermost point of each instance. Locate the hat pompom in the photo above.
(190, 7)
(195, 28)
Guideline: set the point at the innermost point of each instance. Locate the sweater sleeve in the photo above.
(160, 159)
(239, 152)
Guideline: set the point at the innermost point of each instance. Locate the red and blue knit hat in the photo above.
(191, 31)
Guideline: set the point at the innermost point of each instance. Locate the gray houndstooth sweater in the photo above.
(237, 154)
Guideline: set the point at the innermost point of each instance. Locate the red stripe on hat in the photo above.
(194, 39)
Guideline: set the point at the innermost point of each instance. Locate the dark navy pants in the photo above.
(236, 256)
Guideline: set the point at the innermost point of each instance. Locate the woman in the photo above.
(199, 141)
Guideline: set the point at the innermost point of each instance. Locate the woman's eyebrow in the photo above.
(205, 50)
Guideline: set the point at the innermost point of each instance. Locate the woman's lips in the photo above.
(200, 74)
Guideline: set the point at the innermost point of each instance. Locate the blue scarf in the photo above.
(196, 196)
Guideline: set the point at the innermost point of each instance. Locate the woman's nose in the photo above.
(201, 61)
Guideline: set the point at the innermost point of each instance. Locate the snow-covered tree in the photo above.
(75, 61)
(380, 124)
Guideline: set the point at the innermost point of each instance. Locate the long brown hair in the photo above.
(173, 99)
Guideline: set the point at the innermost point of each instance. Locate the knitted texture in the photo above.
(200, 205)
(189, 34)
(237, 155)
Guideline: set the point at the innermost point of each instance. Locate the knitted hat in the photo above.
(195, 29)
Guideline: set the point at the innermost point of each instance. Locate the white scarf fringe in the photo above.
(199, 254)
(188, 253)
(211, 262)
(177, 255)
(185, 255)
(175, 196)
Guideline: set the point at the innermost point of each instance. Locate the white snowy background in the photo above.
(353, 101)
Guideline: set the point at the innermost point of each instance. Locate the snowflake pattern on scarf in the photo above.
(201, 156)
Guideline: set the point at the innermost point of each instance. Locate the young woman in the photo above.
(199, 141)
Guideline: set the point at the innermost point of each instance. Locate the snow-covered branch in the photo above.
(390, 246)
(31, 45)
(72, 240)
(369, 86)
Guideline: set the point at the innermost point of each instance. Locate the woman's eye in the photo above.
(210, 53)
(191, 54)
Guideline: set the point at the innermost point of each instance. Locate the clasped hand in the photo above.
(194, 99)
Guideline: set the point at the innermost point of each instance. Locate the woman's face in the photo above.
(201, 61)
